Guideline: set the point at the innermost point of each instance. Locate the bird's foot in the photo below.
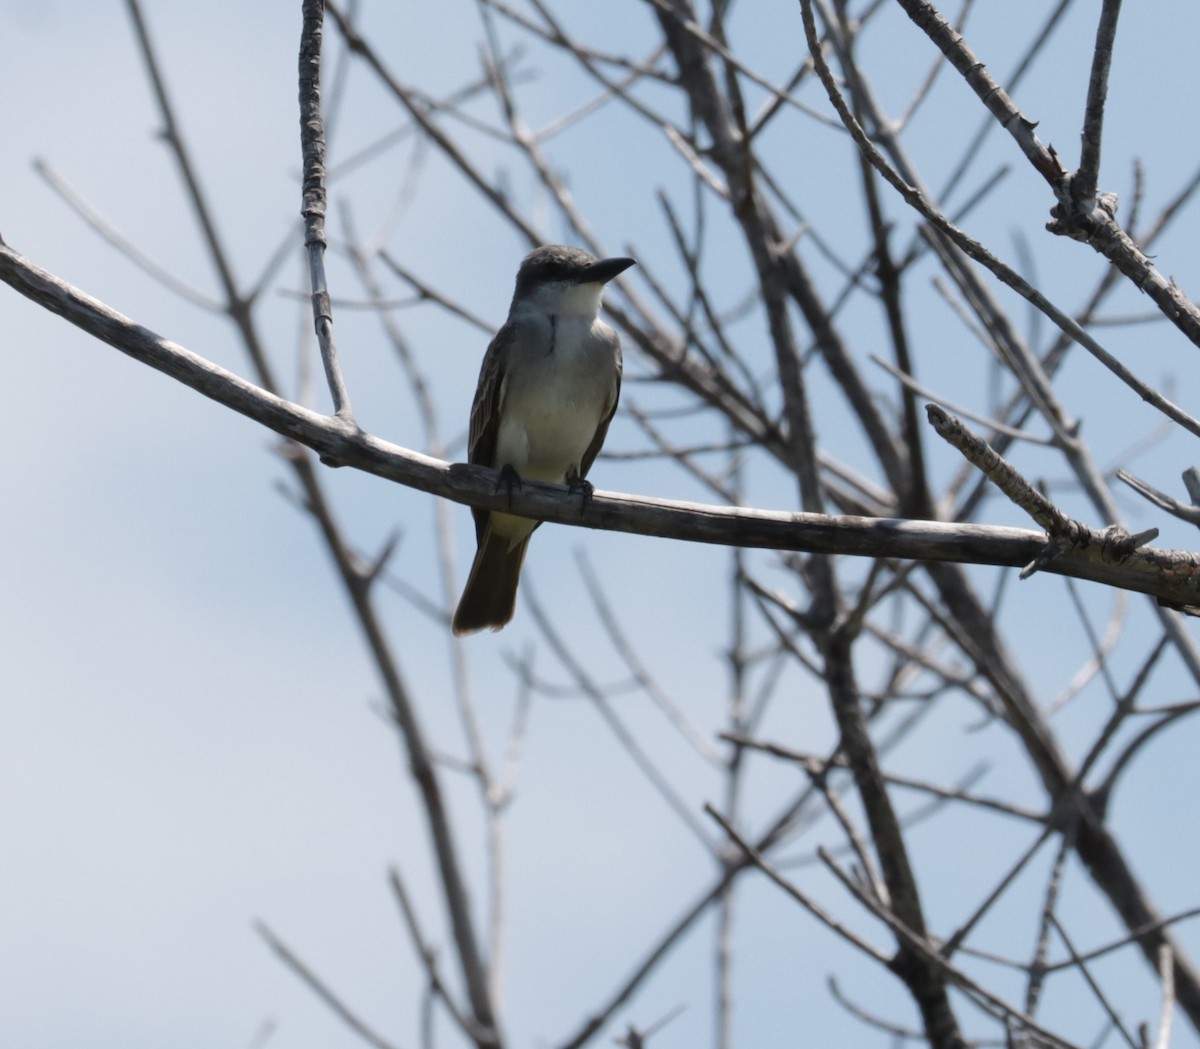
(578, 486)
(508, 480)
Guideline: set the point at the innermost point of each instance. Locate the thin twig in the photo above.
(1085, 179)
(801, 897)
(322, 990)
(1086, 973)
(1166, 974)
(312, 143)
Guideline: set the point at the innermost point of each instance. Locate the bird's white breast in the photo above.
(560, 384)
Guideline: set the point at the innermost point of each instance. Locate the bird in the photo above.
(548, 388)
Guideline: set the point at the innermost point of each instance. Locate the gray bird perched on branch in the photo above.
(547, 391)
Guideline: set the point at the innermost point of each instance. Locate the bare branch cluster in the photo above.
(780, 358)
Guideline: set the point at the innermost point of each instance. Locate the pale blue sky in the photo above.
(190, 732)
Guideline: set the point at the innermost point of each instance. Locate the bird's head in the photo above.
(566, 280)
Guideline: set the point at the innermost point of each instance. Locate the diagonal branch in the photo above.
(1173, 576)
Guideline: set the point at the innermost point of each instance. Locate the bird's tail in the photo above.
(490, 596)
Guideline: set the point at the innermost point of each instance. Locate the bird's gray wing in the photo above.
(485, 411)
(593, 449)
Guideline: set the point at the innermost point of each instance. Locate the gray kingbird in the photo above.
(547, 391)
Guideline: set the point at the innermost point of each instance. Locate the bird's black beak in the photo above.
(603, 270)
